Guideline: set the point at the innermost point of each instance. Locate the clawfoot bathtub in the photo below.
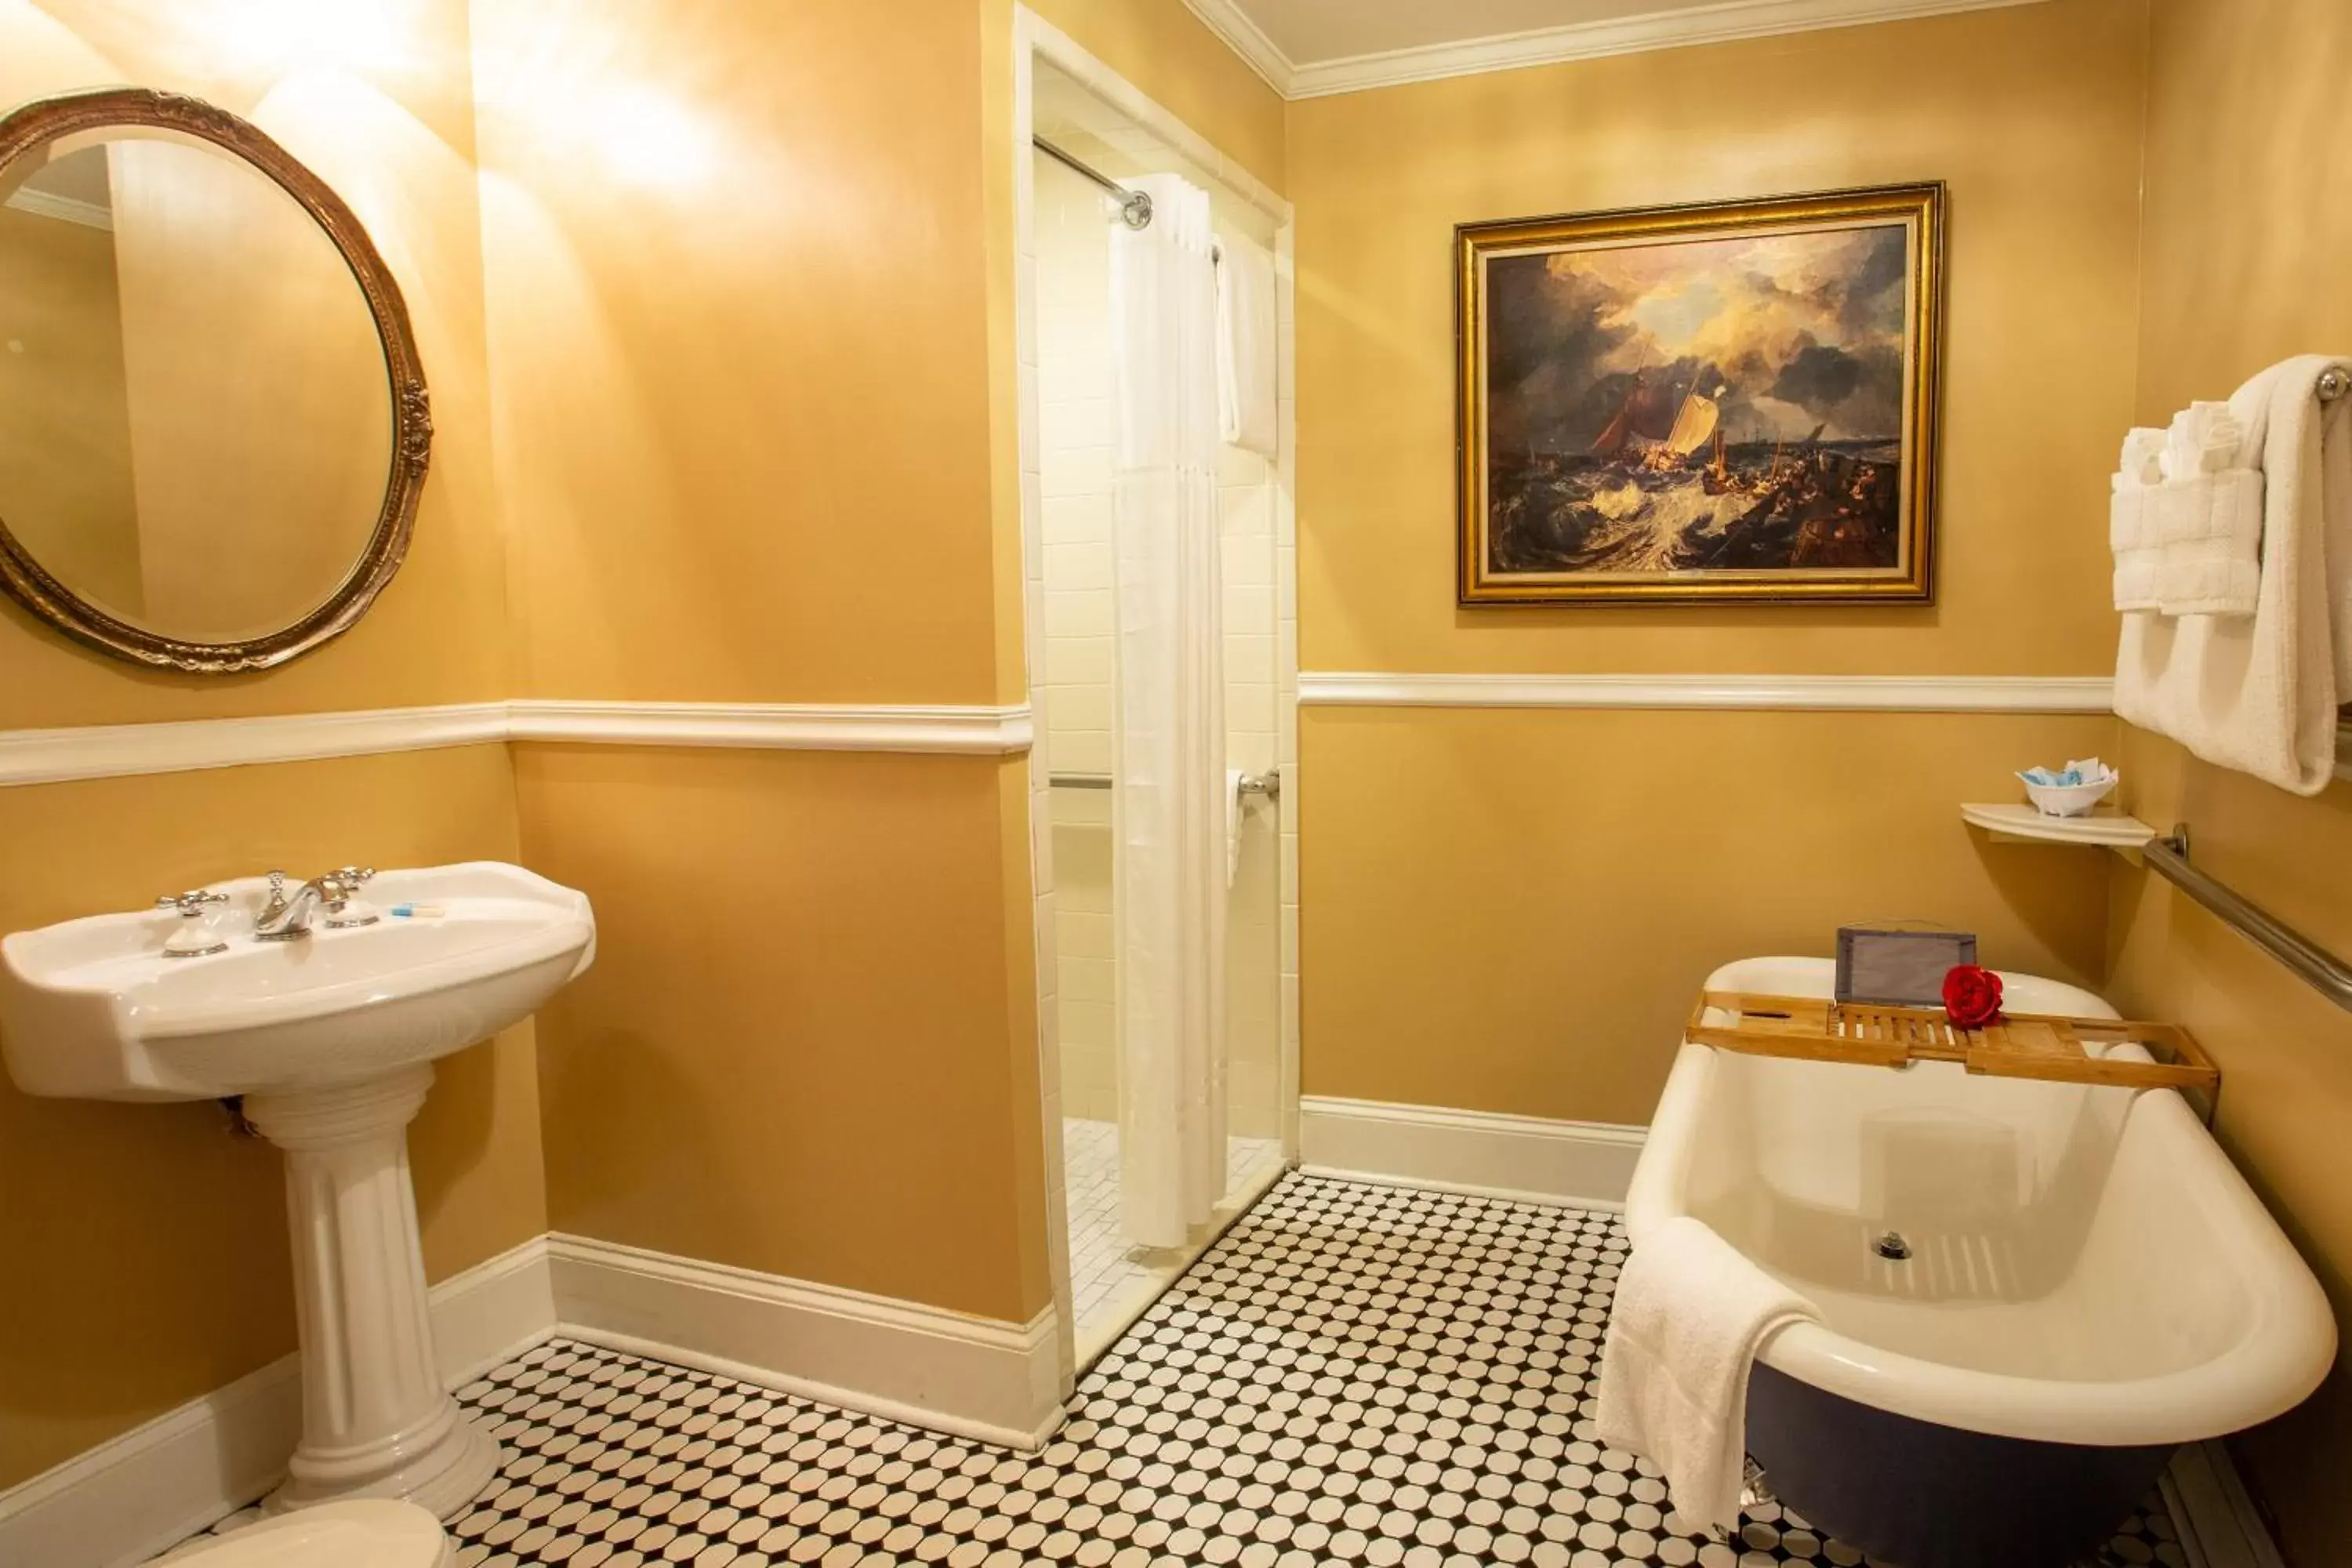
(2088, 1284)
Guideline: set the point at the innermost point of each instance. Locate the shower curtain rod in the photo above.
(1134, 206)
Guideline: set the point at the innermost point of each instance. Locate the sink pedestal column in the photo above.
(376, 1421)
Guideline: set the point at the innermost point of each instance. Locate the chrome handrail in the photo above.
(2331, 976)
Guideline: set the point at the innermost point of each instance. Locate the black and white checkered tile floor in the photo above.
(1355, 1375)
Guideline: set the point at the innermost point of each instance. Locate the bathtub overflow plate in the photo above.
(1892, 1247)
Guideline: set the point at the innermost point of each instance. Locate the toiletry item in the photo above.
(416, 911)
(2070, 791)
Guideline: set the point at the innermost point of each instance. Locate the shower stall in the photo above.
(1163, 670)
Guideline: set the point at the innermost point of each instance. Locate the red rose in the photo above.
(1971, 997)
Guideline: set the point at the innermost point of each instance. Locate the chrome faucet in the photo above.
(285, 918)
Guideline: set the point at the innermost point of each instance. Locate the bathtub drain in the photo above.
(1892, 1247)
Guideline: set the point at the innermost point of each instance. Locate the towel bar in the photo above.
(1267, 784)
(2331, 976)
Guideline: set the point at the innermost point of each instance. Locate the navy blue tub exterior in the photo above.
(1923, 1496)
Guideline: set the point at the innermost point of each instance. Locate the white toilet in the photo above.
(370, 1533)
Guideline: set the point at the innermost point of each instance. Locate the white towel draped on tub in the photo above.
(1691, 1313)
(1247, 331)
(2256, 692)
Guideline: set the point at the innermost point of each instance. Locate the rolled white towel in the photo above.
(2142, 462)
(2204, 439)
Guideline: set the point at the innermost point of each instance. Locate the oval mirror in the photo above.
(214, 425)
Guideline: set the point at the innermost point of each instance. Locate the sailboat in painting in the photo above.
(1697, 420)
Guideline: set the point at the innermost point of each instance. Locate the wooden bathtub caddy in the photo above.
(2046, 1046)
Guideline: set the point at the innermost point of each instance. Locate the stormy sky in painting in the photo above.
(1799, 330)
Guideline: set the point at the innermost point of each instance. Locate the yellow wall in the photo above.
(2247, 232)
(734, 259)
(749, 285)
(793, 1053)
(155, 1244)
(1510, 911)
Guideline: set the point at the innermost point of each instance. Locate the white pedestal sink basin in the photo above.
(330, 1038)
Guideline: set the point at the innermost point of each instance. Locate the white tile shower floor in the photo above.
(1110, 1281)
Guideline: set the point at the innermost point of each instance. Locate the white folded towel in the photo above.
(1247, 337)
(2191, 546)
(2259, 692)
(1691, 1313)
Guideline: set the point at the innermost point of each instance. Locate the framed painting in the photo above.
(1723, 402)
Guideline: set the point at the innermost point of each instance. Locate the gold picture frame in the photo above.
(1723, 402)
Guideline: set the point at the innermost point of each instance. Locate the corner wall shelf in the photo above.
(2109, 829)
(2168, 855)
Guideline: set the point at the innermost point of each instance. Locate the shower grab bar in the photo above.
(2330, 975)
(1268, 784)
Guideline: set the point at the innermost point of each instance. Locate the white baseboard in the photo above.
(130, 1498)
(977, 1378)
(1582, 1165)
(2220, 1525)
(122, 1502)
(493, 1312)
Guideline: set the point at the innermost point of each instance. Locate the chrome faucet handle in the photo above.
(275, 903)
(190, 904)
(338, 888)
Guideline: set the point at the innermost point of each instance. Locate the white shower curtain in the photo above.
(1168, 886)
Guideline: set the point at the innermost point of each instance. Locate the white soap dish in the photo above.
(2071, 791)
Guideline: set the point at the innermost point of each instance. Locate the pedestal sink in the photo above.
(330, 1038)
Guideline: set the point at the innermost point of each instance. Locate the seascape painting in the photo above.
(1702, 403)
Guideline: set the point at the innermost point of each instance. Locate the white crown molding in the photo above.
(1240, 32)
(977, 1378)
(120, 1503)
(110, 750)
(41, 203)
(1858, 693)
(1580, 1164)
(1725, 22)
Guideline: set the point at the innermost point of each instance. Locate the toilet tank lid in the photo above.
(365, 1533)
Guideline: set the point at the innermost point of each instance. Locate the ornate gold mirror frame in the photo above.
(35, 125)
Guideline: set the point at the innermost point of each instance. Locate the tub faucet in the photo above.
(286, 917)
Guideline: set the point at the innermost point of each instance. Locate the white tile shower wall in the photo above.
(1077, 427)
